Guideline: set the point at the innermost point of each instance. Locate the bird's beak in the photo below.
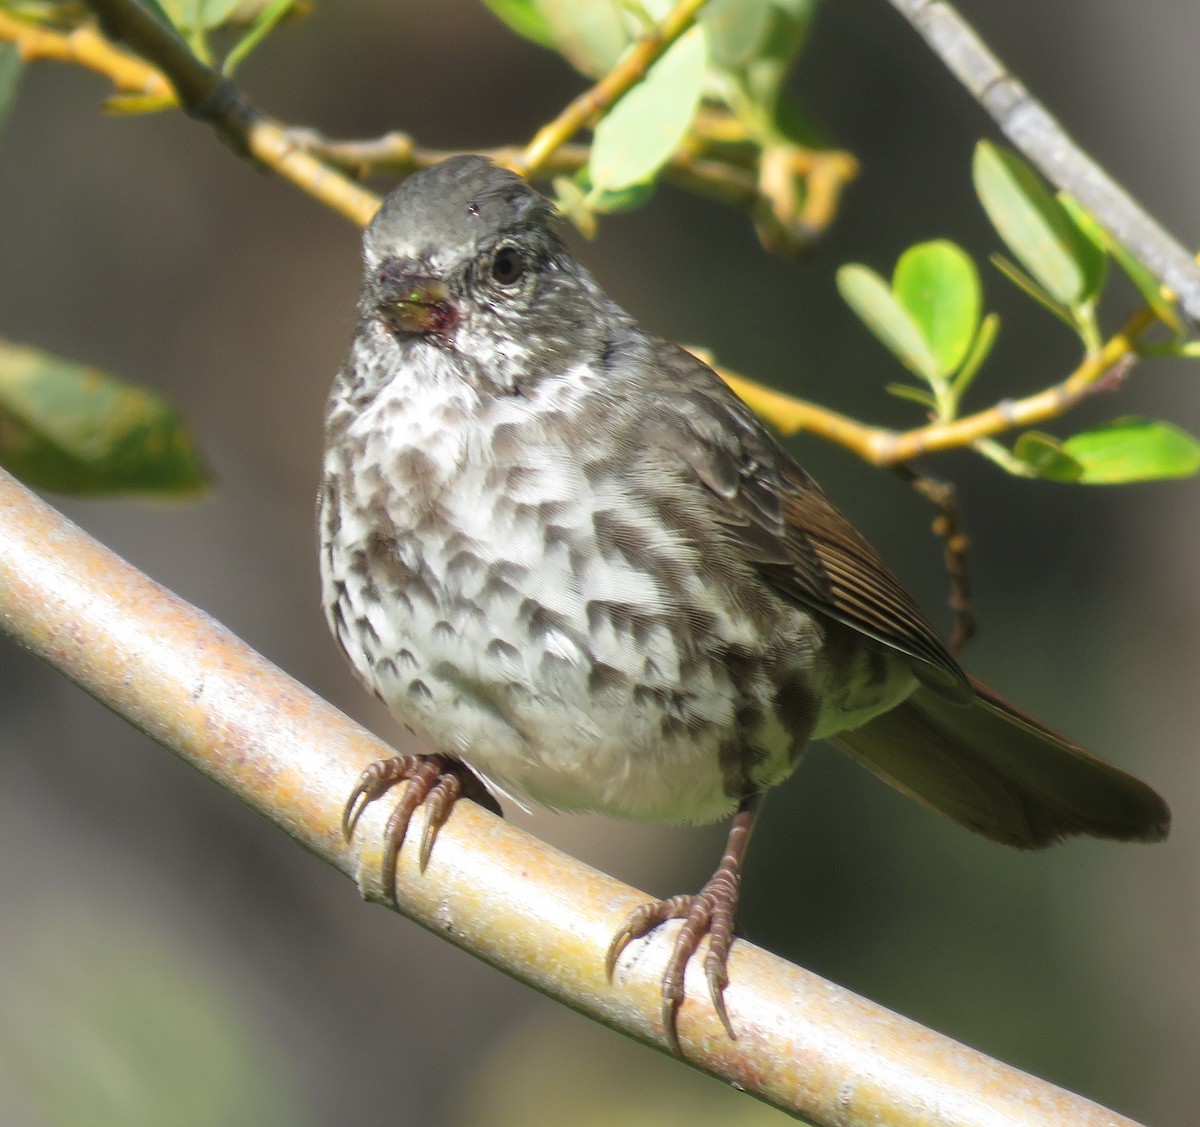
(414, 303)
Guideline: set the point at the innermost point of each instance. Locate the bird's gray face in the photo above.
(461, 258)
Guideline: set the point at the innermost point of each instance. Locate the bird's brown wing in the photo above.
(788, 528)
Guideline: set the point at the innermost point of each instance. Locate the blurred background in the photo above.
(169, 957)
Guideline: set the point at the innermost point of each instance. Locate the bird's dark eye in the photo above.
(507, 266)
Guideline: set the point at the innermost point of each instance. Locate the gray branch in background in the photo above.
(1025, 121)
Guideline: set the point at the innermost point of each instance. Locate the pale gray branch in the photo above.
(1026, 122)
(804, 1044)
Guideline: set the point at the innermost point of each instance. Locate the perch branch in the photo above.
(804, 1045)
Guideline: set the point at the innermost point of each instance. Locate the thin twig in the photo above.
(607, 92)
(949, 527)
(1026, 122)
(203, 92)
(883, 447)
(86, 47)
(306, 157)
(215, 99)
(398, 154)
(803, 1044)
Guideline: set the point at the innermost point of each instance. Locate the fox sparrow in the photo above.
(582, 572)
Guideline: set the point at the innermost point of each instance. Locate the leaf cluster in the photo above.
(929, 316)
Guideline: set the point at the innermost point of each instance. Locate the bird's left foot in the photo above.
(709, 912)
(435, 781)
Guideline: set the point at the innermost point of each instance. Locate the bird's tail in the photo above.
(990, 767)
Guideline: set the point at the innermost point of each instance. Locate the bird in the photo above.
(583, 574)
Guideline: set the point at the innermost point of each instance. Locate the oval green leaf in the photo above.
(643, 130)
(1093, 241)
(525, 18)
(1133, 449)
(872, 299)
(737, 29)
(197, 15)
(1046, 458)
(1030, 220)
(939, 286)
(75, 429)
(589, 34)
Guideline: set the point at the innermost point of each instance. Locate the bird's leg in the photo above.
(436, 781)
(709, 912)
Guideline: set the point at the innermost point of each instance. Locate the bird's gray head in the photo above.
(462, 257)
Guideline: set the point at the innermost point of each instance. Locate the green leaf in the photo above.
(1147, 284)
(762, 74)
(12, 65)
(981, 348)
(590, 34)
(1149, 287)
(526, 19)
(606, 201)
(643, 130)
(75, 429)
(939, 286)
(912, 394)
(1032, 223)
(1133, 449)
(1045, 456)
(736, 29)
(198, 15)
(571, 202)
(1028, 286)
(872, 299)
(1092, 236)
(160, 13)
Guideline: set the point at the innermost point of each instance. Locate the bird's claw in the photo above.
(708, 912)
(433, 780)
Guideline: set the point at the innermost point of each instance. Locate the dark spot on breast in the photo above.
(506, 442)
(603, 677)
(464, 565)
(540, 620)
(413, 468)
(366, 631)
(497, 587)
(499, 650)
(419, 691)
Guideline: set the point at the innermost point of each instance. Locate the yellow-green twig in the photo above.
(171, 72)
(208, 95)
(592, 102)
(883, 447)
(85, 47)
